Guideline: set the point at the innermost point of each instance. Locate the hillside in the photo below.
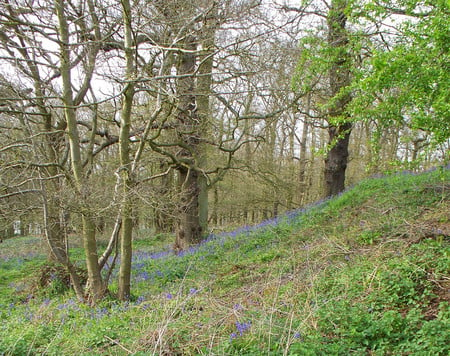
(365, 273)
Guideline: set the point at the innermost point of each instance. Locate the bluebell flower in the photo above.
(144, 276)
(101, 313)
(159, 255)
(139, 265)
(242, 327)
(28, 315)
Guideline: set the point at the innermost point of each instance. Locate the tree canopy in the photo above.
(407, 76)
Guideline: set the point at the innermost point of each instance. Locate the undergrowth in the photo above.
(363, 273)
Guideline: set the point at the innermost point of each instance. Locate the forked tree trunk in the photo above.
(95, 282)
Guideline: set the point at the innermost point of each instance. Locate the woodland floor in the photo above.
(365, 273)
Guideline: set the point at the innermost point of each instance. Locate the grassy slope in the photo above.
(364, 273)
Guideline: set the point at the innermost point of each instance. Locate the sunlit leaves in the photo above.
(409, 83)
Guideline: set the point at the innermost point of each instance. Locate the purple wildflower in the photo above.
(101, 312)
(242, 327)
(144, 276)
(233, 336)
(28, 315)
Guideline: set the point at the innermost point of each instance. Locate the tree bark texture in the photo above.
(204, 82)
(125, 162)
(188, 229)
(337, 158)
(339, 76)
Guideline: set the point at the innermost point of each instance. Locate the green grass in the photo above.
(364, 273)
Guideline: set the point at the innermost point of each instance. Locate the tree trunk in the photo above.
(125, 162)
(303, 159)
(339, 76)
(95, 282)
(302, 165)
(188, 230)
(204, 82)
(188, 227)
(336, 160)
(214, 213)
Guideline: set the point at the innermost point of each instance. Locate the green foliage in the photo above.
(408, 83)
(360, 274)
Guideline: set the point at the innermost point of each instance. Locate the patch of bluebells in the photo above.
(28, 314)
(140, 276)
(190, 251)
(214, 242)
(412, 172)
(145, 255)
(144, 276)
(10, 308)
(139, 265)
(120, 307)
(19, 257)
(139, 300)
(211, 244)
(241, 329)
(99, 313)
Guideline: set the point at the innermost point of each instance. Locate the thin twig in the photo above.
(118, 344)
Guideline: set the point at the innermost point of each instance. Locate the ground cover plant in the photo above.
(364, 273)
